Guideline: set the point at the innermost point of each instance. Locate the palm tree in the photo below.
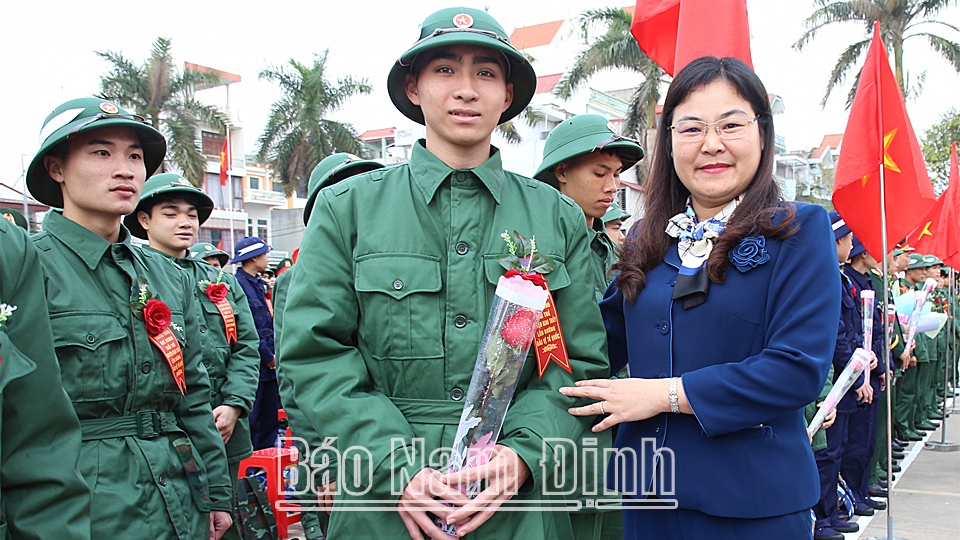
(297, 135)
(616, 48)
(163, 95)
(899, 20)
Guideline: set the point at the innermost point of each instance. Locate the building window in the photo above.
(254, 182)
(262, 229)
(215, 190)
(277, 187)
(212, 144)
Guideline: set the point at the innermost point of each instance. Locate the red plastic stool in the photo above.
(282, 415)
(273, 461)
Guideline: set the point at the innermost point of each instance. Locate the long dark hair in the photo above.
(666, 196)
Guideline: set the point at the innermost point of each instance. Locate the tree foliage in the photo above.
(900, 20)
(606, 32)
(936, 146)
(163, 95)
(298, 134)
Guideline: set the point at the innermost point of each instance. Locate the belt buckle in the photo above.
(148, 424)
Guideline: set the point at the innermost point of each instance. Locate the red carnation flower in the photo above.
(216, 293)
(157, 316)
(519, 328)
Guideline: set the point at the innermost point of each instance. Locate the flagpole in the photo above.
(886, 299)
(230, 182)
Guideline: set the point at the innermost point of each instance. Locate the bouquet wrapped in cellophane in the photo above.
(914, 318)
(857, 364)
(521, 296)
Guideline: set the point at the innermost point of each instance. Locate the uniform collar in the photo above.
(429, 172)
(182, 261)
(241, 273)
(84, 242)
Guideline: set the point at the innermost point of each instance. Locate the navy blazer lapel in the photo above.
(672, 256)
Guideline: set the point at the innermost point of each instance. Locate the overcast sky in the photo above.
(48, 56)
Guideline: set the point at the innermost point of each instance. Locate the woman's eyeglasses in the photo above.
(728, 128)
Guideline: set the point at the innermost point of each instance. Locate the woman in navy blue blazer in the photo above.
(726, 308)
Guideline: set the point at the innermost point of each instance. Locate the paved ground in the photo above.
(925, 499)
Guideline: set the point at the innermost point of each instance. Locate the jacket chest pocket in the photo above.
(94, 354)
(400, 312)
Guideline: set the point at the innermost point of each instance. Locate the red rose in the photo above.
(216, 293)
(518, 329)
(157, 316)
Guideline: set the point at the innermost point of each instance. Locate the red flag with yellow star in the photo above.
(939, 233)
(879, 133)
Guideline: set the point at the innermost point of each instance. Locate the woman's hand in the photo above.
(625, 400)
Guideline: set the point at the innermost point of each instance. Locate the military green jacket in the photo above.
(42, 494)
(819, 441)
(131, 411)
(926, 348)
(234, 368)
(386, 312)
(300, 427)
(605, 255)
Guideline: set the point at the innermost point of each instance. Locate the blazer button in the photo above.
(397, 285)
(91, 338)
(456, 394)
(462, 248)
(146, 367)
(664, 327)
(459, 321)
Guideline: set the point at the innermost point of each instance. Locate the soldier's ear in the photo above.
(410, 86)
(508, 99)
(54, 167)
(144, 219)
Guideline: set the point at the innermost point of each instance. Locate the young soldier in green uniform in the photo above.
(913, 370)
(169, 216)
(395, 278)
(613, 223)
(14, 216)
(125, 328)
(927, 359)
(939, 300)
(42, 494)
(328, 172)
(583, 158)
(209, 254)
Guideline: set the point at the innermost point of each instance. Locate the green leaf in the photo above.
(509, 261)
(137, 308)
(523, 245)
(496, 353)
(543, 264)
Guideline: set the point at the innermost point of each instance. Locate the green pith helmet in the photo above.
(614, 212)
(163, 184)
(332, 170)
(80, 115)
(463, 26)
(918, 261)
(204, 250)
(581, 135)
(932, 260)
(14, 216)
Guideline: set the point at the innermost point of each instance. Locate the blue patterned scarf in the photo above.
(695, 242)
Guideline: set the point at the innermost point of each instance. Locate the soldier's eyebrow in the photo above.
(444, 55)
(483, 59)
(105, 142)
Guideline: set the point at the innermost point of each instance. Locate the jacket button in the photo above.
(462, 248)
(162, 480)
(459, 321)
(664, 327)
(91, 338)
(146, 367)
(461, 177)
(397, 285)
(203, 329)
(456, 394)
